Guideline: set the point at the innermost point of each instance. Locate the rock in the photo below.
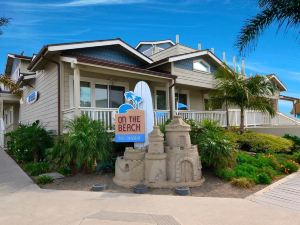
(57, 177)
(182, 191)
(140, 189)
(99, 187)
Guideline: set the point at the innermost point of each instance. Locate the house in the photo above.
(69, 79)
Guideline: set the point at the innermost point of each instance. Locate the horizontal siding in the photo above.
(45, 109)
(175, 50)
(192, 78)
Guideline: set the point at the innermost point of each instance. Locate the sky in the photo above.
(213, 23)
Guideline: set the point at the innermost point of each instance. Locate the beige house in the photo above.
(70, 79)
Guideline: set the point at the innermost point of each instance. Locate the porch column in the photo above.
(168, 95)
(172, 99)
(76, 90)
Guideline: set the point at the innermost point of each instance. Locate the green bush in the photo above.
(258, 142)
(35, 169)
(242, 182)
(44, 179)
(216, 150)
(295, 139)
(86, 144)
(28, 142)
(296, 157)
(263, 178)
(225, 173)
(289, 167)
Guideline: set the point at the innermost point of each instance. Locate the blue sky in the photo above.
(214, 23)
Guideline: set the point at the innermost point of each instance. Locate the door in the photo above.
(186, 171)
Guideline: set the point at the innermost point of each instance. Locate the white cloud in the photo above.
(79, 3)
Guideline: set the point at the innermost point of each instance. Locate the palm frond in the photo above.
(11, 85)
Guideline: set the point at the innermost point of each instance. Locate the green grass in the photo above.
(44, 179)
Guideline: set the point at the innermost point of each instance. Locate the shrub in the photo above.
(295, 139)
(226, 173)
(296, 157)
(86, 144)
(216, 150)
(44, 179)
(162, 126)
(242, 182)
(263, 178)
(289, 167)
(35, 169)
(258, 142)
(28, 142)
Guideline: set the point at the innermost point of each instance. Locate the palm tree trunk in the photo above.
(242, 124)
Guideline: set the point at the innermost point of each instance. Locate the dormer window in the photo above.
(201, 65)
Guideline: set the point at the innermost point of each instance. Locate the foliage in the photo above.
(259, 169)
(295, 139)
(282, 12)
(12, 86)
(216, 150)
(296, 157)
(242, 182)
(35, 169)
(162, 126)
(252, 93)
(44, 179)
(28, 142)
(3, 22)
(86, 144)
(259, 142)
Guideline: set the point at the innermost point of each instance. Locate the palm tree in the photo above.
(282, 12)
(3, 22)
(252, 93)
(11, 85)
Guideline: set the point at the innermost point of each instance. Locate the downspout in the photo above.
(171, 99)
(59, 100)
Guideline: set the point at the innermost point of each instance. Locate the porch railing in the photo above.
(252, 118)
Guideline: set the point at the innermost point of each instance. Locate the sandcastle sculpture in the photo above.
(162, 165)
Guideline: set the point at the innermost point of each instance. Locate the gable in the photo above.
(188, 64)
(112, 53)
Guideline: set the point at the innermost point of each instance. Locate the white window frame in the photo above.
(155, 97)
(203, 62)
(93, 82)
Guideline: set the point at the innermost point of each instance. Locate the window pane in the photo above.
(181, 98)
(116, 96)
(85, 94)
(199, 65)
(101, 96)
(161, 100)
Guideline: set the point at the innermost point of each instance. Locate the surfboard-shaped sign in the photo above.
(142, 89)
(32, 97)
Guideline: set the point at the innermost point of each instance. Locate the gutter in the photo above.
(59, 99)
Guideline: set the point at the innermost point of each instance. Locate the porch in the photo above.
(252, 118)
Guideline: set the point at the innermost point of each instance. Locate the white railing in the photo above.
(252, 118)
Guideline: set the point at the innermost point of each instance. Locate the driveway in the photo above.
(22, 202)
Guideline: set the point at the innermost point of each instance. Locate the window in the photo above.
(109, 96)
(201, 65)
(161, 100)
(85, 94)
(101, 97)
(116, 96)
(181, 98)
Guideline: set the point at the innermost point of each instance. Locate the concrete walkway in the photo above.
(22, 203)
(284, 193)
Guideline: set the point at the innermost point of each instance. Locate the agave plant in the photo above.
(86, 144)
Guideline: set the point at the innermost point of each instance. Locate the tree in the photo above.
(11, 85)
(251, 93)
(3, 22)
(282, 12)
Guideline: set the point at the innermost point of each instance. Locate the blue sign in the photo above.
(32, 97)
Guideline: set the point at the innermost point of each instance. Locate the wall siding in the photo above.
(45, 109)
(172, 51)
